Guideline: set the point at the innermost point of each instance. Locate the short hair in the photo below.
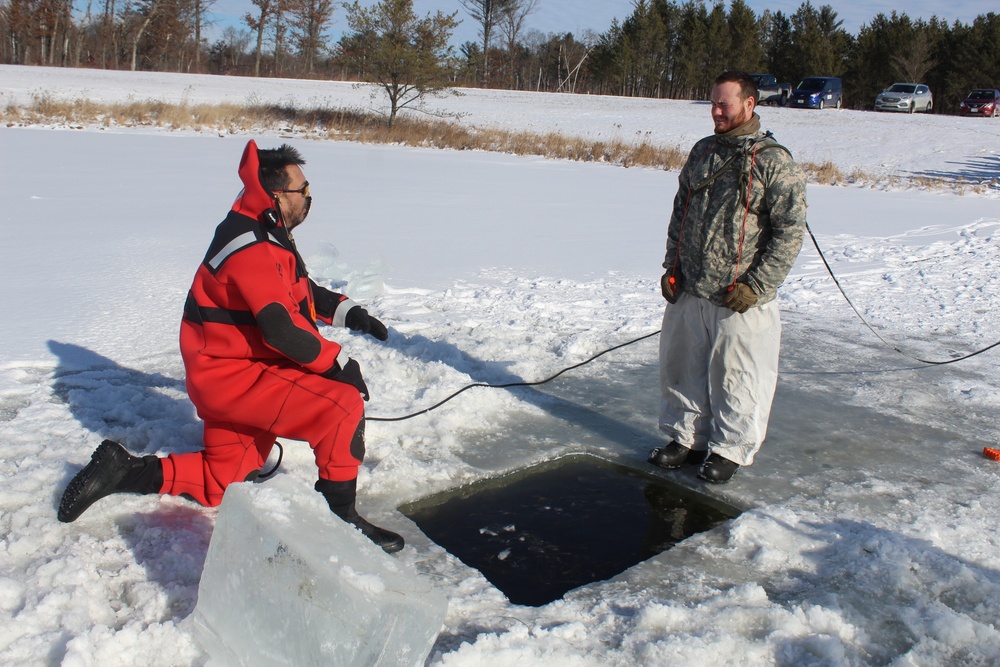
(273, 166)
(747, 86)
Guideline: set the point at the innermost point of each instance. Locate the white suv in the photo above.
(908, 97)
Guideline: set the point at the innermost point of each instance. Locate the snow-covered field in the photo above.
(871, 532)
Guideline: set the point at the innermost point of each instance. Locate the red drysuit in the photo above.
(254, 358)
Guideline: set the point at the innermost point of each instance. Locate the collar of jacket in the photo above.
(744, 138)
(749, 128)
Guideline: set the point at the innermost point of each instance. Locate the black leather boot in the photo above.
(341, 496)
(675, 455)
(717, 469)
(111, 470)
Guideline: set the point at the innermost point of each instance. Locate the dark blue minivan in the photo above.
(818, 92)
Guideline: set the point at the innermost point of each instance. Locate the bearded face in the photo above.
(729, 110)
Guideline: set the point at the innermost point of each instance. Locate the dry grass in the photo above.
(826, 173)
(353, 125)
(340, 124)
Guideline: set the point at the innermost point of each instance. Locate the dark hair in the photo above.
(747, 86)
(273, 164)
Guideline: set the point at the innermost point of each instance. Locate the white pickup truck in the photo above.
(769, 91)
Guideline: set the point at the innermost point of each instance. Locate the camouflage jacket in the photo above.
(717, 247)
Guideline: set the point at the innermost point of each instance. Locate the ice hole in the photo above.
(540, 532)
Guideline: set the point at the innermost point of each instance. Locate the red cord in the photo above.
(746, 214)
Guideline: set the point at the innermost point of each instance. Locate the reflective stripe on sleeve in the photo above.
(342, 359)
(340, 314)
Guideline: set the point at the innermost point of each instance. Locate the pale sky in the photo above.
(578, 16)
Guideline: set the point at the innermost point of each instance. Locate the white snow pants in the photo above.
(718, 373)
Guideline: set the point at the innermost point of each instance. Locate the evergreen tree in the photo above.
(746, 43)
(981, 57)
(779, 54)
(403, 54)
(871, 69)
(669, 14)
(718, 47)
(819, 44)
(692, 52)
(948, 86)
(643, 43)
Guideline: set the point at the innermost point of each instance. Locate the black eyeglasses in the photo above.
(304, 190)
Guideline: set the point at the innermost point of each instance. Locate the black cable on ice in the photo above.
(507, 385)
(872, 329)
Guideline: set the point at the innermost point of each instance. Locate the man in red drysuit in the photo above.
(256, 365)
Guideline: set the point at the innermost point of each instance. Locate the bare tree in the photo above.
(139, 16)
(258, 23)
(109, 34)
(572, 75)
(227, 55)
(915, 63)
(510, 23)
(199, 9)
(279, 26)
(485, 13)
(18, 15)
(310, 20)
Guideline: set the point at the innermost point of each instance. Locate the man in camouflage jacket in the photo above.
(736, 229)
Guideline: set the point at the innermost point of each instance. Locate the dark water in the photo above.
(549, 529)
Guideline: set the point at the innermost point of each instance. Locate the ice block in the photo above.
(288, 583)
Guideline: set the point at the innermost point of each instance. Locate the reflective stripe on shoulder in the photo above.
(238, 243)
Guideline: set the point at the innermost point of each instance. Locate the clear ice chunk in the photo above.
(287, 583)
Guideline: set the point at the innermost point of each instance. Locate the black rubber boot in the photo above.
(717, 469)
(340, 496)
(111, 470)
(675, 455)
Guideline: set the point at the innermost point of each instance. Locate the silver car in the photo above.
(908, 97)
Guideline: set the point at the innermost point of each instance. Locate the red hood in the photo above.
(254, 201)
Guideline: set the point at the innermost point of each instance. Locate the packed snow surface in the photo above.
(870, 533)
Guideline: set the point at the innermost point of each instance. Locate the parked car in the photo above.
(981, 102)
(908, 97)
(818, 92)
(769, 91)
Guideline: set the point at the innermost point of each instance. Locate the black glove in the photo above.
(669, 288)
(358, 319)
(349, 374)
(739, 297)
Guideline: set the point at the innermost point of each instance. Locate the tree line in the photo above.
(674, 50)
(664, 48)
